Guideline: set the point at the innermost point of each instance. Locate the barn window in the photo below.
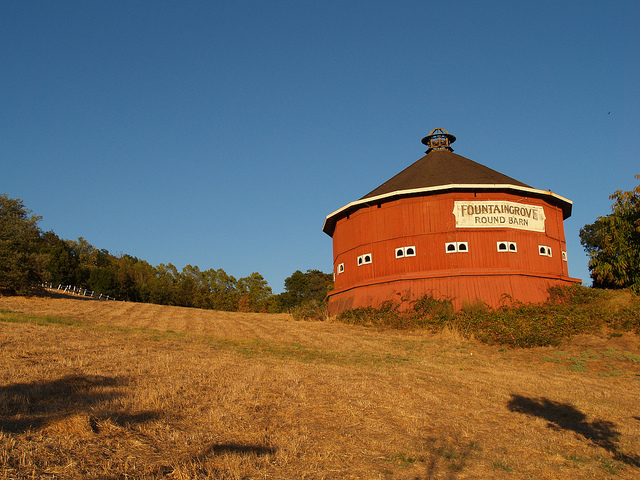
(544, 250)
(364, 259)
(340, 268)
(402, 252)
(507, 247)
(564, 255)
(453, 247)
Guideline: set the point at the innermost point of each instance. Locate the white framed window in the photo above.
(564, 256)
(402, 252)
(456, 247)
(544, 250)
(507, 246)
(364, 259)
(340, 268)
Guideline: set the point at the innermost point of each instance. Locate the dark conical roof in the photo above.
(440, 168)
(439, 171)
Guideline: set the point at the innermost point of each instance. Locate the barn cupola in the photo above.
(439, 139)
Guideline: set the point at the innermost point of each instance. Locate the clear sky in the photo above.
(221, 134)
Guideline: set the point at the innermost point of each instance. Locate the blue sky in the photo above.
(220, 134)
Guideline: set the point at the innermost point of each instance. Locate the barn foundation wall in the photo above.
(495, 291)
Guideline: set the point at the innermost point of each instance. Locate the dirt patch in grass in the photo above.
(117, 390)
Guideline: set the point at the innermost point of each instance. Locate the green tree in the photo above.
(144, 278)
(191, 291)
(613, 243)
(104, 280)
(132, 275)
(165, 285)
(254, 291)
(21, 263)
(301, 288)
(222, 290)
(62, 262)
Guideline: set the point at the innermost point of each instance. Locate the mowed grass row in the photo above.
(93, 390)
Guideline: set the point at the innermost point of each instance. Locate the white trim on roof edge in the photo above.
(465, 186)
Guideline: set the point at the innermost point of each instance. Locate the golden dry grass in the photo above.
(123, 390)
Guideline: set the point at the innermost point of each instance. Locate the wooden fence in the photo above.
(73, 290)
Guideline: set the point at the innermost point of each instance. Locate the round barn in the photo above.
(450, 228)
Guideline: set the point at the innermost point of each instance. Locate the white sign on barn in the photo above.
(499, 214)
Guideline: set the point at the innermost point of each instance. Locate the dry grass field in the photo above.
(94, 389)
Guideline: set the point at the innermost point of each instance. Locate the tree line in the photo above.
(30, 257)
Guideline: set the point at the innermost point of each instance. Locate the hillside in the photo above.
(94, 389)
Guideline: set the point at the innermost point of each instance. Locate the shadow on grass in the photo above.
(448, 458)
(232, 448)
(563, 416)
(31, 406)
(239, 449)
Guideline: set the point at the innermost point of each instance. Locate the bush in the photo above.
(568, 312)
(386, 315)
(312, 310)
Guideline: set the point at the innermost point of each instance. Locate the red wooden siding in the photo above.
(428, 224)
(495, 291)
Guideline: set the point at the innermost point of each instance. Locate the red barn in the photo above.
(451, 228)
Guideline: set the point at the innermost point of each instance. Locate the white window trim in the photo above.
(456, 248)
(508, 246)
(403, 251)
(564, 256)
(362, 259)
(546, 252)
(340, 268)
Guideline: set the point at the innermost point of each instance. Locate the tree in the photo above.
(254, 292)
(61, 260)
(613, 243)
(191, 291)
(305, 287)
(21, 263)
(165, 286)
(103, 280)
(223, 294)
